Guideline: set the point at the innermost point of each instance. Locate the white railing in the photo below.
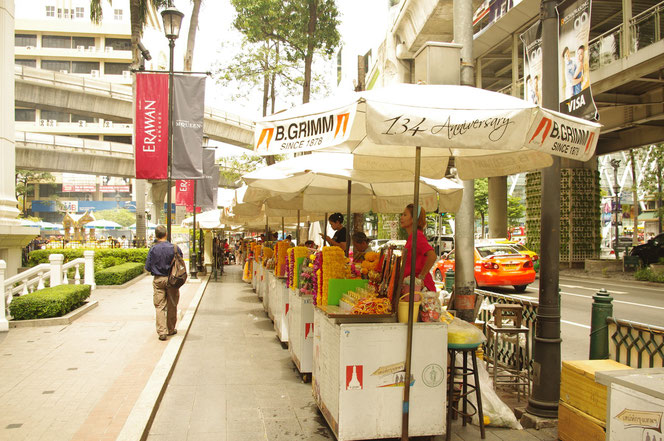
(56, 272)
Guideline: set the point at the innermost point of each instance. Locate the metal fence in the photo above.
(506, 348)
(636, 344)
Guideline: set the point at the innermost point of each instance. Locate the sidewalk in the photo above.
(234, 382)
(81, 381)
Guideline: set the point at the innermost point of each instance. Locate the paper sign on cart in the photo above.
(308, 328)
(392, 375)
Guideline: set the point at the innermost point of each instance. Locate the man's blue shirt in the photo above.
(159, 258)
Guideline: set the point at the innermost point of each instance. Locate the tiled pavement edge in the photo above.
(81, 381)
(234, 382)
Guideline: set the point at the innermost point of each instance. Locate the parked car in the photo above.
(651, 251)
(377, 244)
(495, 265)
(523, 250)
(442, 244)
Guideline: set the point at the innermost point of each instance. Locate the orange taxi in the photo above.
(495, 265)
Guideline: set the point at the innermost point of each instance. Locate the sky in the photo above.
(363, 26)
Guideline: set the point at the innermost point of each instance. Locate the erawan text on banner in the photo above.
(574, 72)
(305, 133)
(151, 126)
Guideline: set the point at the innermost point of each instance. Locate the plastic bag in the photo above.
(460, 332)
(405, 288)
(498, 413)
(430, 308)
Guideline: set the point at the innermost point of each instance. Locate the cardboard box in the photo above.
(578, 388)
(574, 425)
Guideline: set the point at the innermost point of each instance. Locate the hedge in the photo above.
(104, 258)
(49, 302)
(119, 274)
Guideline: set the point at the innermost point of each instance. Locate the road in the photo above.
(631, 301)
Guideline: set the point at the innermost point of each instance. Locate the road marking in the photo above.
(609, 282)
(615, 301)
(575, 324)
(591, 289)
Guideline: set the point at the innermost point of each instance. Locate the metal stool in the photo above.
(464, 372)
(516, 374)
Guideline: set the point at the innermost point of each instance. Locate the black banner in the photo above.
(206, 188)
(188, 105)
(574, 68)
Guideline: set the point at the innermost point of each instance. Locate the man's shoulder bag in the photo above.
(177, 275)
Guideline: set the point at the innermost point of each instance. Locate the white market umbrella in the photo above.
(29, 223)
(488, 133)
(103, 225)
(320, 182)
(207, 220)
(149, 226)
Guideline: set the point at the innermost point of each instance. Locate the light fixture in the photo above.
(172, 19)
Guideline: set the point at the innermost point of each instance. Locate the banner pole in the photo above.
(171, 45)
(192, 268)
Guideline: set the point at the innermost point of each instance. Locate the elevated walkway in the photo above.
(37, 88)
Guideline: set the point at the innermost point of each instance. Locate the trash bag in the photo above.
(496, 413)
(460, 332)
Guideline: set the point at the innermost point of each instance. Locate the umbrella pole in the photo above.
(267, 229)
(348, 221)
(411, 297)
(283, 229)
(324, 229)
(192, 268)
(297, 229)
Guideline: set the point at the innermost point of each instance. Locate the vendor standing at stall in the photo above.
(426, 256)
(360, 246)
(339, 239)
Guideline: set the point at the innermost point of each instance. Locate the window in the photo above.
(90, 119)
(119, 44)
(24, 40)
(28, 63)
(24, 115)
(84, 67)
(67, 13)
(83, 41)
(80, 12)
(120, 139)
(50, 11)
(115, 68)
(59, 13)
(117, 14)
(56, 41)
(56, 65)
(56, 115)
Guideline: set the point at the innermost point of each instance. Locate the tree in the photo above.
(191, 37)
(481, 200)
(515, 211)
(122, 216)
(653, 176)
(233, 167)
(304, 27)
(23, 179)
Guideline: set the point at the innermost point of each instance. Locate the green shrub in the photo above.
(119, 274)
(104, 258)
(49, 302)
(649, 275)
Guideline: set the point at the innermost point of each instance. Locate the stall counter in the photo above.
(301, 330)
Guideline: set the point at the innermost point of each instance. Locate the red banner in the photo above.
(151, 126)
(184, 194)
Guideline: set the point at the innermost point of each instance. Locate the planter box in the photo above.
(657, 268)
(596, 265)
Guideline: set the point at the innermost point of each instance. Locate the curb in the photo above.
(140, 419)
(67, 319)
(136, 279)
(612, 279)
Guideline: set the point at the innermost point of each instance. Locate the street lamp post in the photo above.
(615, 163)
(172, 19)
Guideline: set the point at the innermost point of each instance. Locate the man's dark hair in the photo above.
(336, 217)
(160, 232)
(360, 237)
(309, 243)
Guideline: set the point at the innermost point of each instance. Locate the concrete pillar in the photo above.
(208, 256)
(89, 271)
(627, 30)
(157, 196)
(4, 324)
(12, 236)
(498, 206)
(56, 261)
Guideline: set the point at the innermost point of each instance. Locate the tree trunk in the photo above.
(659, 194)
(274, 77)
(358, 222)
(482, 233)
(635, 200)
(266, 92)
(191, 38)
(308, 58)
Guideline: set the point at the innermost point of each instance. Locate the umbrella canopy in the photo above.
(208, 220)
(103, 225)
(29, 223)
(488, 133)
(149, 226)
(48, 226)
(319, 183)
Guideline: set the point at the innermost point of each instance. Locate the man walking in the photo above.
(165, 297)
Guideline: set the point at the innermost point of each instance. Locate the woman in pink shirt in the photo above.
(425, 257)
